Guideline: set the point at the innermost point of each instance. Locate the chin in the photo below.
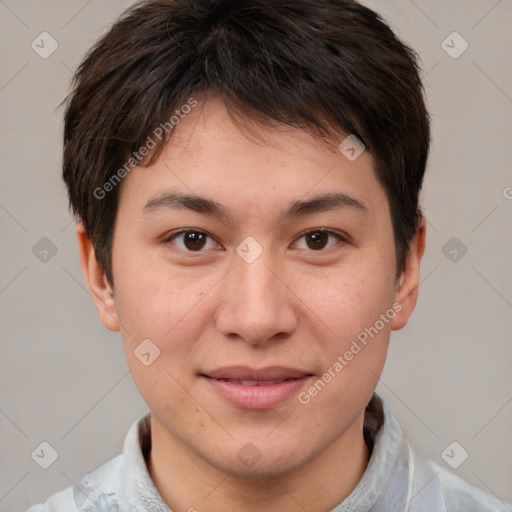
(257, 461)
(262, 470)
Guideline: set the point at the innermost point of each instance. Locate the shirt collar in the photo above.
(382, 430)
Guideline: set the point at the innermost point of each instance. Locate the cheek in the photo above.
(358, 312)
(353, 334)
(158, 304)
(345, 303)
(168, 312)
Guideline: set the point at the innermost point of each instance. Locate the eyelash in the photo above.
(172, 236)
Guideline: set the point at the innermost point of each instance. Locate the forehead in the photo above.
(228, 165)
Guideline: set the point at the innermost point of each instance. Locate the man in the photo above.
(245, 176)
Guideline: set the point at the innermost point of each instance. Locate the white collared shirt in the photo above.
(397, 478)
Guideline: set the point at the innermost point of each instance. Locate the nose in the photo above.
(258, 305)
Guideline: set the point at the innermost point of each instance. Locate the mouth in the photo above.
(254, 382)
(247, 388)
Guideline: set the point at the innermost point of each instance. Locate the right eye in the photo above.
(189, 240)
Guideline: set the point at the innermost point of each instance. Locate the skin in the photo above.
(295, 305)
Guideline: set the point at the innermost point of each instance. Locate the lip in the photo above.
(262, 388)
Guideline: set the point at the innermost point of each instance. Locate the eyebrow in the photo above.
(178, 201)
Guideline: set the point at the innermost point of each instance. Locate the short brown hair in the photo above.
(320, 65)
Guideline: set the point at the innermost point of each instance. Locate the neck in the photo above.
(188, 482)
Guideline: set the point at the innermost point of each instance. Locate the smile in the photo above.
(246, 388)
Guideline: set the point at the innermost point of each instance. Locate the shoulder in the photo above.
(461, 495)
(92, 491)
(59, 501)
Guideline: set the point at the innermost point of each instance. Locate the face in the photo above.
(266, 310)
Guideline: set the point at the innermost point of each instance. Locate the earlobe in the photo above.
(407, 287)
(100, 290)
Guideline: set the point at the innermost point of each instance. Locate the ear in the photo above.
(101, 292)
(407, 288)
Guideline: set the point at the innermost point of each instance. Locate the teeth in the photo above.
(255, 382)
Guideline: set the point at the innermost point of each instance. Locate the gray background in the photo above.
(63, 377)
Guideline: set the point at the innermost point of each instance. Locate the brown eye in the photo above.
(194, 241)
(189, 240)
(318, 240)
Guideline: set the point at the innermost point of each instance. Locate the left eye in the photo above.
(195, 240)
(318, 239)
